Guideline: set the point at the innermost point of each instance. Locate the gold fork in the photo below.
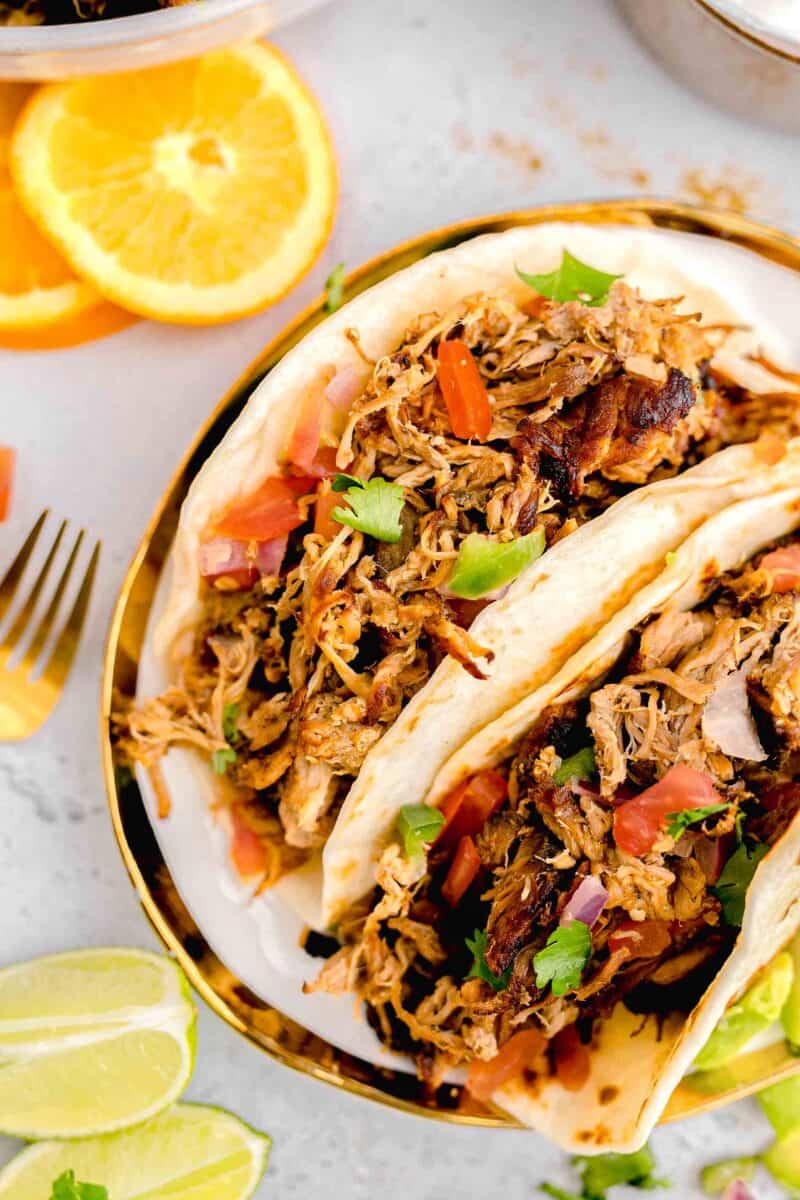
(26, 701)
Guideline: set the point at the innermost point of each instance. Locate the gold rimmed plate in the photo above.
(276, 1033)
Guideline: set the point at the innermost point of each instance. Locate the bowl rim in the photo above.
(765, 35)
(119, 31)
(263, 1025)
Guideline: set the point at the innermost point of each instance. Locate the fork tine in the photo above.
(10, 581)
(46, 623)
(18, 628)
(60, 660)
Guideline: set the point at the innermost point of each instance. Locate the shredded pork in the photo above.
(314, 666)
(552, 836)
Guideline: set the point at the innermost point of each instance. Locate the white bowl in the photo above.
(126, 43)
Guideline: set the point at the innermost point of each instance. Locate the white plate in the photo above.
(258, 939)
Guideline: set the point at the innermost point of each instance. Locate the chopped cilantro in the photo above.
(739, 826)
(418, 825)
(483, 565)
(581, 765)
(611, 1170)
(717, 1177)
(678, 822)
(479, 970)
(572, 280)
(222, 759)
(66, 1187)
(562, 961)
(605, 1171)
(375, 506)
(230, 715)
(558, 1193)
(334, 288)
(734, 881)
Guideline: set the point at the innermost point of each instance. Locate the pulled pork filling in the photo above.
(607, 860)
(310, 647)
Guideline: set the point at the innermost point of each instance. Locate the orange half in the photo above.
(198, 191)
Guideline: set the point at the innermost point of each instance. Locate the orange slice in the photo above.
(38, 289)
(197, 192)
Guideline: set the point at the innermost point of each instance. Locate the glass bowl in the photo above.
(36, 52)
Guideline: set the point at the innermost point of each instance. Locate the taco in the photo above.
(600, 872)
(447, 434)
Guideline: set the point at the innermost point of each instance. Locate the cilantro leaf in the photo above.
(611, 1170)
(230, 715)
(564, 957)
(678, 822)
(558, 1193)
(375, 506)
(581, 765)
(66, 1187)
(418, 825)
(572, 280)
(483, 565)
(734, 881)
(334, 288)
(221, 759)
(479, 970)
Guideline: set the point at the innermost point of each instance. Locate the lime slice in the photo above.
(91, 1042)
(188, 1153)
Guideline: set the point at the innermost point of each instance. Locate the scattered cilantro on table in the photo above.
(334, 289)
(66, 1187)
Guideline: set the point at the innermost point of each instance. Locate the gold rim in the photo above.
(266, 1027)
(745, 34)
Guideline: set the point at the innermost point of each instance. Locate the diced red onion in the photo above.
(222, 556)
(344, 389)
(738, 1190)
(225, 556)
(728, 721)
(586, 903)
(269, 555)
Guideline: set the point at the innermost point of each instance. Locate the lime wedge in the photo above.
(91, 1042)
(188, 1153)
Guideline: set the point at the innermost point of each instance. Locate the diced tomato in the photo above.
(784, 567)
(643, 939)
(304, 442)
(463, 869)
(247, 851)
(470, 805)
(464, 392)
(268, 513)
(7, 461)
(323, 464)
(524, 1049)
(571, 1058)
(638, 822)
(327, 500)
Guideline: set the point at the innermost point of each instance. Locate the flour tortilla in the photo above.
(537, 625)
(636, 1066)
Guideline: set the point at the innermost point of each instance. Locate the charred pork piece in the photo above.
(621, 428)
(525, 899)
